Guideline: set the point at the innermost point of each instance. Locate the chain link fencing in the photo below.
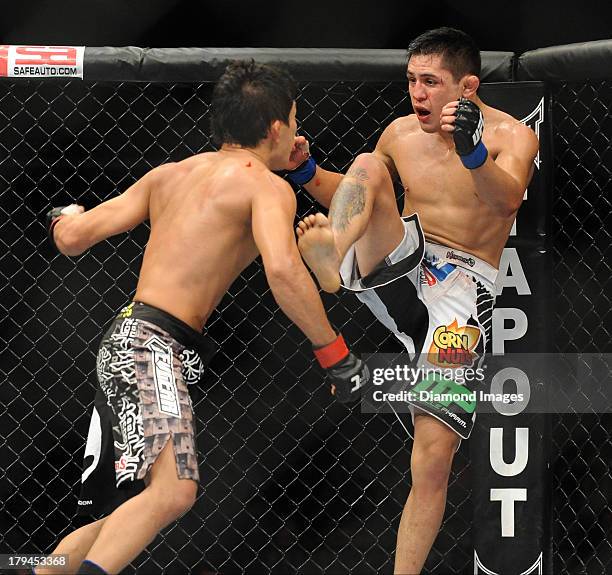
(291, 481)
(582, 240)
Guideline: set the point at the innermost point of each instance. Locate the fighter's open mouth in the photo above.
(422, 113)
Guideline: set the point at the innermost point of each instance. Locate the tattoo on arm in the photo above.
(349, 199)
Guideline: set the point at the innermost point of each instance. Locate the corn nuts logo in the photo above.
(453, 346)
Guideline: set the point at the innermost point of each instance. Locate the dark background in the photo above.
(505, 25)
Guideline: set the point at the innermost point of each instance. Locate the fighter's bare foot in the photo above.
(318, 248)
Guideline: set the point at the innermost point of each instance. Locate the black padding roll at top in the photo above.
(572, 62)
(305, 64)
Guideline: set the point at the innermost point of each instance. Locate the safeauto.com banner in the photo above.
(42, 61)
(510, 445)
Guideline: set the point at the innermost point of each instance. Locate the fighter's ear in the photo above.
(274, 131)
(470, 85)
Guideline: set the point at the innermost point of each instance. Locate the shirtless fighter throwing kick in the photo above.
(430, 274)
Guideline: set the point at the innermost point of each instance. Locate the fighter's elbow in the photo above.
(506, 204)
(513, 202)
(283, 271)
(505, 209)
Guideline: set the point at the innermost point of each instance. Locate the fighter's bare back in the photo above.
(440, 189)
(201, 236)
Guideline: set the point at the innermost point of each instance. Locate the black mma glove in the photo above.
(469, 125)
(54, 215)
(348, 374)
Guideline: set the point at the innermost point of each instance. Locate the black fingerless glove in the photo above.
(469, 126)
(347, 373)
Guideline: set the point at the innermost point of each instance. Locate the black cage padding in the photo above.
(133, 64)
(570, 63)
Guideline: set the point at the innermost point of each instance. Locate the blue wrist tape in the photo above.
(304, 173)
(476, 158)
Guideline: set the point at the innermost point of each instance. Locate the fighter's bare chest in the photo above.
(433, 172)
(433, 176)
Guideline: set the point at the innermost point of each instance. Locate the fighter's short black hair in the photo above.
(247, 99)
(460, 55)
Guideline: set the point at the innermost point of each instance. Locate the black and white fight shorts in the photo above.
(145, 362)
(438, 301)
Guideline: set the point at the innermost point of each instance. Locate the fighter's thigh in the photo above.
(163, 477)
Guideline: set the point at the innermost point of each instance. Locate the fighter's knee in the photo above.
(184, 497)
(173, 502)
(431, 464)
(375, 168)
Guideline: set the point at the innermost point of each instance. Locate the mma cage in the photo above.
(292, 482)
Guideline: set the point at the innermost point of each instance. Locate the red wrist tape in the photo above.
(332, 353)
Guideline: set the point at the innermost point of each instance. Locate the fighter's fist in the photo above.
(347, 373)
(54, 215)
(301, 165)
(448, 116)
(469, 126)
(347, 378)
(299, 153)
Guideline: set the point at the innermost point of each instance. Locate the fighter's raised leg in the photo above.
(363, 212)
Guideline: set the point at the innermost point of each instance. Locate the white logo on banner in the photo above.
(534, 121)
(536, 568)
(42, 61)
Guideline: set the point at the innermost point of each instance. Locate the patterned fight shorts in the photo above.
(438, 302)
(145, 361)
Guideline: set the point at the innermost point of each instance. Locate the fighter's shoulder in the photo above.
(268, 187)
(400, 129)
(281, 189)
(278, 184)
(403, 126)
(159, 175)
(171, 170)
(506, 128)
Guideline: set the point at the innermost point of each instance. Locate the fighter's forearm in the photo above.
(497, 188)
(75, 234)
(323, 186)
(297, 295)
(70, 237)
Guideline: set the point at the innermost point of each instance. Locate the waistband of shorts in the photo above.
(461, 259)
(176, 328)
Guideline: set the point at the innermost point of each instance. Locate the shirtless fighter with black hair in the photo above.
(428, 276)
(211, 215)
